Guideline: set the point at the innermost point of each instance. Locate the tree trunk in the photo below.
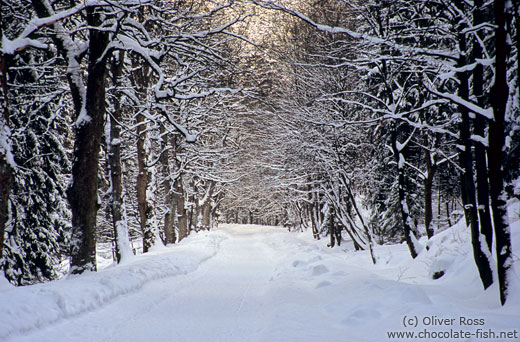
(332, 227)
(206, 207)
(140, 81)
(468, 190)
(310, 207)
(448, 214)
(316, 214)
(6, 173)
(499, 96)
(479, 126)
(405, 215)
(181, 210)
(357, 245)
(122, 241)
(169, 222)
(142, 185)
(361, 219)
(428, 185)
(179, 198)
(83, 192)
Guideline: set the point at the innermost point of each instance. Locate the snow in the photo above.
(5, 144)
(480, 139)
(402, 161)
(83, 117)
(10, 47)
(485, 112)
(123, 241)
(255, 283)
(190, 138)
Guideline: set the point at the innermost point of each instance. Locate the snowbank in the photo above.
(32, 307)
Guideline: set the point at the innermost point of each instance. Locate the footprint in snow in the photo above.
(319, 270)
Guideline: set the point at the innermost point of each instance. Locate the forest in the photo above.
(134, 123)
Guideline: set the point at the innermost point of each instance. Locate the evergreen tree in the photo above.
(38, 229)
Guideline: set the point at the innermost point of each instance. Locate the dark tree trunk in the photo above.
(332, 228)
(337, 232)
(479, 126)
(182, 216)
(499, 96)
(179, 198)
(193, 208)
(142, 184)
(6, 173)
(448, 214)
(169, 222)
(310, 207)
(405, 215)
(428, 186)
(140, 82)
(82, 193)
(318, 218)
(114, 161)
(466, 163)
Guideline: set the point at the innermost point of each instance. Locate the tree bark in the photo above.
(310, 208)
(403, 206)
(142, 185)
(6, 172)
(479, 126)
(468, 186)
(182, 217)
(448, 214)
(428, 186)
(361, 219)
(169, 222)
(316, 214)
(82, 193)
(332, 227)
(121, 236)
(206, 207)
(499, 96)
(179, 198)
(140, 82)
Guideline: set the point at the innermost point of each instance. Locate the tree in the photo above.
(38, 229)
(5, 149)
(444, 50)
(499, 96)
(113, 137)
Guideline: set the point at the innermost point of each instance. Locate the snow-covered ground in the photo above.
(254, 283)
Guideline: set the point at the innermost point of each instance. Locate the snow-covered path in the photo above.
(233, 296)
(240, 283)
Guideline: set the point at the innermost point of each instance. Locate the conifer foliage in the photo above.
(38, 226)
